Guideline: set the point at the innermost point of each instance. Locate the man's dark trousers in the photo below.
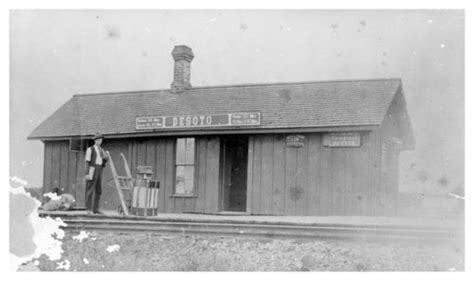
(94, 190)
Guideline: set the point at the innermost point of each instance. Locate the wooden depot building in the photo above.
(303, 148)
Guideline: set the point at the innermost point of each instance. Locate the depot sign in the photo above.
(198, 121)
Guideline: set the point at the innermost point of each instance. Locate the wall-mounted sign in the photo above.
(341, 139)
(295, 141)
(193, 121)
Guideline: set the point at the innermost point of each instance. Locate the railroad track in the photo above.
(259, 229)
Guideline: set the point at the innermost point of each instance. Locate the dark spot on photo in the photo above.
(296, 193)
(112, 32)
(285, 94)
(443, 181)
(422, 176)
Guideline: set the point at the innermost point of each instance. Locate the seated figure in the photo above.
(63, 202)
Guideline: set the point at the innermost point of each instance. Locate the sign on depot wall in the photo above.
(341, 139)
(198, 121)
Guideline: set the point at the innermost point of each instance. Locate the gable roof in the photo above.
(342, 103)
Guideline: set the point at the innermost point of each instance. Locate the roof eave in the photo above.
(216, 132)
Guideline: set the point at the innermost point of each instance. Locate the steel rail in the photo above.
(267, 230)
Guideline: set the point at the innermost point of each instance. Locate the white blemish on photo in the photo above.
(113, 248)
(81, 236)
(66, 264)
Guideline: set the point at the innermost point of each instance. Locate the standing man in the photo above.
(95, 162)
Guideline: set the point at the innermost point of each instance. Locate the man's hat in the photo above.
(98, 136)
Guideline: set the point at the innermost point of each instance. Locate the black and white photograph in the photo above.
(237, 140)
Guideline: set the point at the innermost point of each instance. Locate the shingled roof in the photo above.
(339, 103)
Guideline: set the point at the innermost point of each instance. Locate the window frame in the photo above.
(176, 165)
(79, 142)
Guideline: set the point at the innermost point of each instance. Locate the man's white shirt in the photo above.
(98, 160)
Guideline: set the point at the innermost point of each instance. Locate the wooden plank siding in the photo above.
(257, 175)
(47, 167)
(313, 179)
(159, 171)
(201, 153)
(292, 194)
(250, 167)
(62, 170)
(266, 179)
(55, 165)
(278, 179)
(301, 181)
(374, 170)
(80, 190)
(337, 165)
(65, 169)
(212, 175)
(325, 177)
(358, 183)
(169, 180)
(72, 173)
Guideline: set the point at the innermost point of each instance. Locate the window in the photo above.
(77, 145)
(185, 166)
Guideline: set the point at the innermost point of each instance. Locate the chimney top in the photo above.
(182, 52)
(182, 55)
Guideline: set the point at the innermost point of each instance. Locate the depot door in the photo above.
(233, 168)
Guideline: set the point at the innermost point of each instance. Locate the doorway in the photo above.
(234, 158)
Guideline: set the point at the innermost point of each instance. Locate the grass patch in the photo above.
(152, 252)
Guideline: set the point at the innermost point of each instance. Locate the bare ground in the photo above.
(152, 252)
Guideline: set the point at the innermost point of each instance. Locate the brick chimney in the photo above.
(182, 55)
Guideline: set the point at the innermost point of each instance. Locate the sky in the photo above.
(58, 53)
